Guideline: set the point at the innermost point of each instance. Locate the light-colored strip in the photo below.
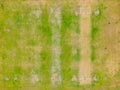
(74, 64)
(55, 18)
(84, 42)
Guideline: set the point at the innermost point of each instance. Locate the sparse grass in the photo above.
(69, 23)
(95, 29)
(21, 32)
(99, 55)
(45, 55)
(77, 55)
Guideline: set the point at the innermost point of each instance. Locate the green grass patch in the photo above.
(77, 55)
(94, 35)
(102, 80)
(96, 19)
(66, 56)
(45, 55)
(100, 16)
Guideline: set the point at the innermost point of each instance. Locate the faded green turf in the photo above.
(45, 55)
(21, 31)
(69, 23)
(66, 57)
(95, 29)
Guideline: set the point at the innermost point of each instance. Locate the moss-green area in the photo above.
(100, 7)
(20, 32)
(18, 38)
(25, 48)
(8, 48)
(93, 34)
(75, 21)
(69, 24)
(45, 55)
(77, 55)
(95, 29)
(103, 81)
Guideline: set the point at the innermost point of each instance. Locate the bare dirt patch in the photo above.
(111, 35)
(85, 46)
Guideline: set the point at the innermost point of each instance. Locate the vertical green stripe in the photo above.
(66, 56)
(45, 54)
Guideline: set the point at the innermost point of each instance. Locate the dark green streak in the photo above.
(66, 56)
(95, 29)
(45, 55)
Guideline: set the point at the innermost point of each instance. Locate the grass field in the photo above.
(41, 43)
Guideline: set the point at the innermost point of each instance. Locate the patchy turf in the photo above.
(26, 45)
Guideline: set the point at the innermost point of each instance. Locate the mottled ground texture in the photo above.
(59, 44)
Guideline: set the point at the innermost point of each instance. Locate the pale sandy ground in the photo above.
(112, 36)
(110, 41)
(85, 67)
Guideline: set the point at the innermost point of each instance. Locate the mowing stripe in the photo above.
(84, 40)
(75, 48)
(45, 55)
(66, 47)
(75, 55)
(56, 49)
